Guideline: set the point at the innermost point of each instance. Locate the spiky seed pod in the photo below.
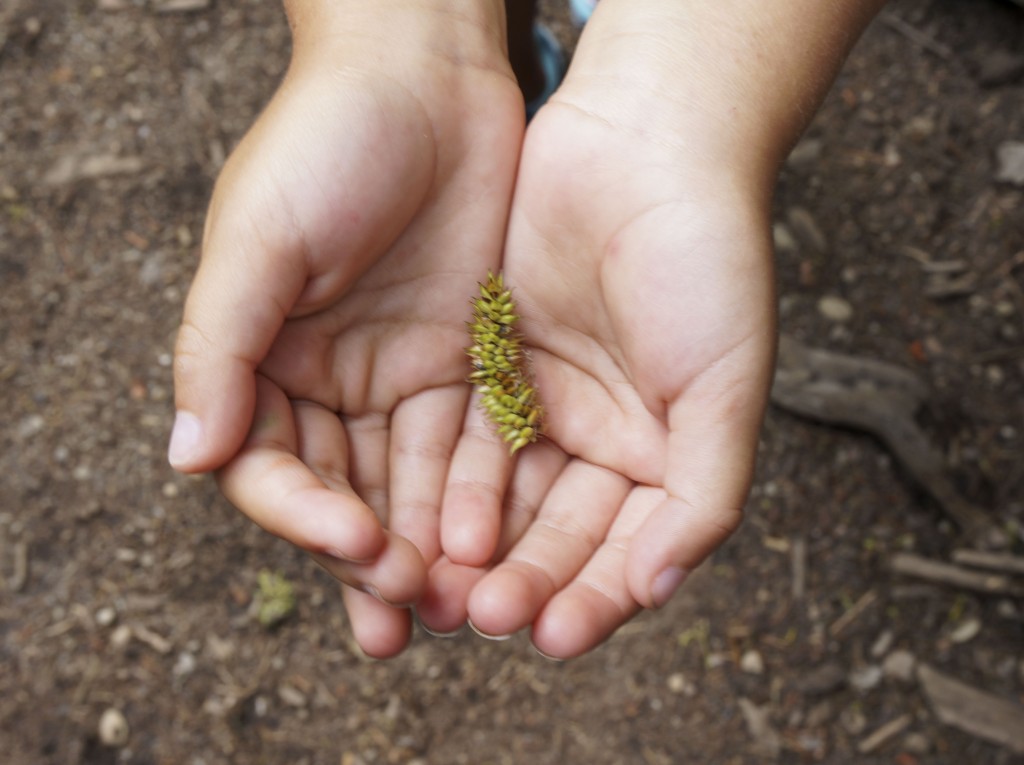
(499, 371)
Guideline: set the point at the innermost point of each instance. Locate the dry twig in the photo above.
(883, 734)
(955, 576)
(916, 36)
(1011, 564)
(853, 613)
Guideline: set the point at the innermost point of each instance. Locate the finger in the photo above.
(479, 473)
(382, 631)
(489, 502)
(368, 436)
(536, 471)
(270, 484)
(710, 462)
(245, 286)
(396, 577)
(598, 600)
(571, 525)
(442, 609)
(424, 429)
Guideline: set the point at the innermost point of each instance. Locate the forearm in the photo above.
(739, 79)
(470, 33)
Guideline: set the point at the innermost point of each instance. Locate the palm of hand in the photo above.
(646, 302)
(360, 391)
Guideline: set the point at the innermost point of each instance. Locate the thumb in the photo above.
(712, 447)
(245, 286)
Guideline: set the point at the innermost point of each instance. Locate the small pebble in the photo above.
(185, 665)
(184, 235)
(853, 720)
(676, 682)
(835, 308)
(260, 706)
(805, 152)
(783, 238)
(820, 713)
(1006, 668)
(1010, 162)
(219, 648)
(920, 128)
(882, 644)
(121, 636)
(33, 27)
(900, 665)
(1004, 309)
(113, 728)
(824, 679)
(291, 696)
(752, 663)
(152, 271)
(865, 678)
(966, 631)
(917, 743)
(1006, 609)
(806, 230)
(31, 426)
(106, 616)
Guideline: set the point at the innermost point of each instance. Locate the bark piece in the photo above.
(972, 710)
(876, 397)
(766, 740)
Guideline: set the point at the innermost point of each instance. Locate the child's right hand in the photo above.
(319, 366)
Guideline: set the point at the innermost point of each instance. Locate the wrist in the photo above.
(729, 86)
(392, 33)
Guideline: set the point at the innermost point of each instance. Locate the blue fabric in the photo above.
(552, 63)
(580, 11)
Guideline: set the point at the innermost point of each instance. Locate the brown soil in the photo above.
(126, 586)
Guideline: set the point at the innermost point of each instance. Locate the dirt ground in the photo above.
(126, 587)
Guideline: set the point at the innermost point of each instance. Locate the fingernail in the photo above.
(185, 439)
(665, 584)
(543, 655)
(484, 635)
(369, 589)
(435, 633)
(338, 555)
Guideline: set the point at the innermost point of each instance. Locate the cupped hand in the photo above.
(320, 366)
(643, 276)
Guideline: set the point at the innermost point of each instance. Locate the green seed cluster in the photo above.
(499, 366)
